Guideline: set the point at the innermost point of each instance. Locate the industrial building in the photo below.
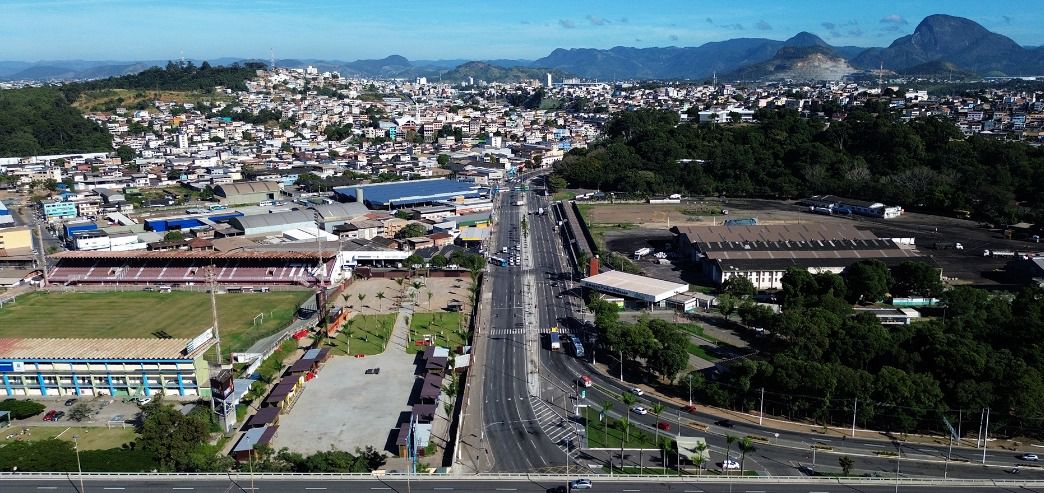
(113, 367)
(633, 291)
(330, 216)
(401, 194)
(275, 223)
(247, 192)
(763, 253)
(14, 239)
(6, 219)
(840, 205)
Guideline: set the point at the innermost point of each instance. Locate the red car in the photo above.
(690, 409)
(663, 425)
(50, 415)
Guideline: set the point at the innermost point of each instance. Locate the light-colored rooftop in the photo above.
(97, 349)
(634, 286)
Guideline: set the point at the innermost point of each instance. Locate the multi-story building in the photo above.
(59, 209)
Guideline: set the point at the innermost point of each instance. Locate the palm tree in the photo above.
(361, 297)
(699, 459)
(380, 300)
(746, 446)
(429, 299)
(606, 407)
(416, 285)
(657, 409)
(729, 440)
(628, 399)
(846, 464)
(345, 297)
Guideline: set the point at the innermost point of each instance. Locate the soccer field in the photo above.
(137, 314)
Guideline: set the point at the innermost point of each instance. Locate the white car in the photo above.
(729, 464)
(637, 391)
(639, 410)
(1029, 457)
(144, 400)
(581, 484)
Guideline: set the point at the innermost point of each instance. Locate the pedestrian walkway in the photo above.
(400, 336)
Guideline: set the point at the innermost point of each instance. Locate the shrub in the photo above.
(21, 409)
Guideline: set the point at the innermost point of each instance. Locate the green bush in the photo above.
(59, 456)
(21, 409)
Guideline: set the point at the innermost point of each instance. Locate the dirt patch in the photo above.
(444, 290)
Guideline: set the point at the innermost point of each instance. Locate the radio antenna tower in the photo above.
(182, 58)
(880, 78)
(271, 57)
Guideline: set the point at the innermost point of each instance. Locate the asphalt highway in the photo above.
(511, 431)
(318, 485)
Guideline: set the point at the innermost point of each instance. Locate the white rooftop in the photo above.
(634, 286)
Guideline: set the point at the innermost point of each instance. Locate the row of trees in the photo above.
(872, 154)
(983, 350)
(662, 345)
(179, 76)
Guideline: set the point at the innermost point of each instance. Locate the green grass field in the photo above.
(443, 325)
(136, 314)
(599, 437)
(363, 334)
(90, 437)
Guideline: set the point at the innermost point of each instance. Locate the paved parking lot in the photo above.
(343, 408)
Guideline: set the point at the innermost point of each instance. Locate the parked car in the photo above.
(144, 400)
(639, 410)
(50, 415)
(58, 416)
(637, 391)
(729, 464)
(70, 402)
(1029, 457)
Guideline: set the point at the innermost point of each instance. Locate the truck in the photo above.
(946, 245)
(641, 252)
(998, 253)
(556, 341)
(674, 196)
(498, 261)
(578, 347)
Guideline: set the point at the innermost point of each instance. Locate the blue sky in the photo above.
(348, 30)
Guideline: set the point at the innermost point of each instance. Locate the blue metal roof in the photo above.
(411, 192)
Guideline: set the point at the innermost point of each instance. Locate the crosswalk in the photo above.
(522, 330)
(555, 423)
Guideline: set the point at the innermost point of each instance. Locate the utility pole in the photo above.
(761, 412)
(621, 365)
(855, 407)
(690, 394)
(985, 435)
(40, 252)
(978, 437)
(214, 311)
(79, 471)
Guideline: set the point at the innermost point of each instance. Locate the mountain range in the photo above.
(939, 44)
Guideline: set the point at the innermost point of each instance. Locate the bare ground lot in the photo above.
(968, 265)
(444, 290)
(344, 408)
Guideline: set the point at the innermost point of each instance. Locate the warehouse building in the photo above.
(633, 291)
(840, 205)
(113, 367)
(763, 253)
(275, 223)
(395, 195)
(6, 219)
(247, 192)
(330, 216)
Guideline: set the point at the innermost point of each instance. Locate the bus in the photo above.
(498, 261)
(578, 347)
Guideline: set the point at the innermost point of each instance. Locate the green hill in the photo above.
(39, 120)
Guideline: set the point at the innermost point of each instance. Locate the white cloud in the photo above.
(763, 26)
(566, 23)
(895, 19)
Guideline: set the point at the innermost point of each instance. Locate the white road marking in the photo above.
(183, 488)
(755, 491)
(114, 488)
(632, 490)
(507, 489)
(380, 488)
(442, 488)
(46, 487)
(315, 488)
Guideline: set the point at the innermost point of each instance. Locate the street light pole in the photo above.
(79, 470)
(690, 389)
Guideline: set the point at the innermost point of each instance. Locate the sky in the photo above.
(32, 30)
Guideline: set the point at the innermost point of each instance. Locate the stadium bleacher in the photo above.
(188, 267)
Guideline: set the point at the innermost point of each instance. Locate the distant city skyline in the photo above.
(348, 30)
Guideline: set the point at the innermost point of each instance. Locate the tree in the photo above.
(126, 154)
(657, 409)
(380, 301)
(867, 281)
(628, 399)
(170, 436)
(556, 183)
(443, 160)
(411, 230)
(81, 411)
(606, 407)
(439, 261)
(729, 440)
(727, 305)
(915, 278)
(174, 235)
(207, 193)
(361, 296)
(846, 464)
(413, 259)
(21, 409)
(700, 458)
(739, 286)
(746, 446)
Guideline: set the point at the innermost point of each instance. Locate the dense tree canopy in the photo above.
(39, 120)
(922, 164)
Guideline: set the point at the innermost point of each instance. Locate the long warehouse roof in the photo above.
(634, 286)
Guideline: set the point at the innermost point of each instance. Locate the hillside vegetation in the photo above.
(39, 120)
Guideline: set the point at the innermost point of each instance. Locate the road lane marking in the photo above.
(632, 490)
(46, 487)
(114, 488)
(379, 488)
(755, 491)
(183, 488)
(315, 488)
(437, 489)
(507, 489)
